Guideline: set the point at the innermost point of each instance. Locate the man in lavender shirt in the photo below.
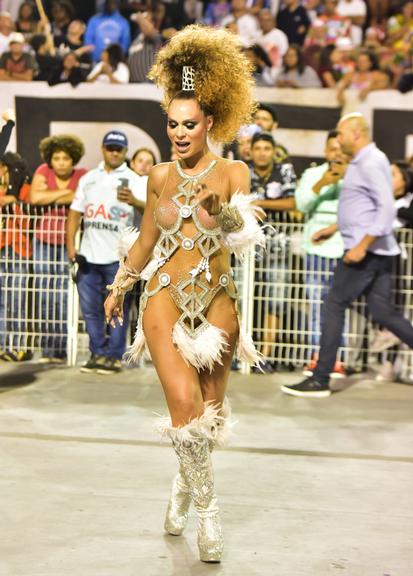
(366, 212)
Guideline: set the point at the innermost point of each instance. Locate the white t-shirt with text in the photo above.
(104, 216)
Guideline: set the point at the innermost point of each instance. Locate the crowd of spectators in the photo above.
(338, 44)
(360, 44)
(35, 247)
(312, 199)
(34, 260)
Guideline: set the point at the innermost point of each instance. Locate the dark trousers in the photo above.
(371, 277)
(91, 284)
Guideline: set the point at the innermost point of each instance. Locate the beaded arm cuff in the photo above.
(239, 222)
(124, 280)
(229, 218)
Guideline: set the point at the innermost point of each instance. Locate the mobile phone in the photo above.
(123, 183)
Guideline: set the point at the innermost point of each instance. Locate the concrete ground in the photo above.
(308, 487)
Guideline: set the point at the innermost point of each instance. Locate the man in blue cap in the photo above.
(107, 199)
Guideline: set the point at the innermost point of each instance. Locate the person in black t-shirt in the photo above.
(294, 21)
(274, 185)
(45, 60)
(72, 41)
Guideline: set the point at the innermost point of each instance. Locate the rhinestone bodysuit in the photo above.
(189, 239)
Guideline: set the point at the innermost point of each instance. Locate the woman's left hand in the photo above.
(114, 309)
(209, 200)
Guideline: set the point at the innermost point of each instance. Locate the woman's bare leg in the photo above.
(221, 314)
(180, 381)
(185, 398)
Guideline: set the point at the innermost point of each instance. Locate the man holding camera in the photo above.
(107, 200)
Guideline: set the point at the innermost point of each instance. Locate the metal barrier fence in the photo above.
(281, 292)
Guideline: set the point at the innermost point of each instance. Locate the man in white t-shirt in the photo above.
(242, 23)
(107, 199)
(272, 39)
(356, 12)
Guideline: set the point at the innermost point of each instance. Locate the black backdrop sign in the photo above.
(391, 127)
(390, 131)
(34, 116)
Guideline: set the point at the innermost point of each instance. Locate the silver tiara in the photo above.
(188, 78)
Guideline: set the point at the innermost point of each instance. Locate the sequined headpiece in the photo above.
(188, 77)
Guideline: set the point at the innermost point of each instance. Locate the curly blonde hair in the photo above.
(223, 76)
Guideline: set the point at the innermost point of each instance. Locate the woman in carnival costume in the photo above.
(198, 212)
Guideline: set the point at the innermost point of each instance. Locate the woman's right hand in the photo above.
(114, 309)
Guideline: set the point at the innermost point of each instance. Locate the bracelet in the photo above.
(229, 218)
(124, 280)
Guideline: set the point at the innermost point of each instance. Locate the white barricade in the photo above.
(281, 292)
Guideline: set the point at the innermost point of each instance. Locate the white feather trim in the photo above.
(205, 349)
(224, 426)
(126, 241)
(251, 233)
(138, 346)
(196, 429)
(152, 266)
(246, 350)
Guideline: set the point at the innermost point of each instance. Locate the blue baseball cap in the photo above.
(115, 138)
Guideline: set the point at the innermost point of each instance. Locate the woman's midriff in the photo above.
(179, 266)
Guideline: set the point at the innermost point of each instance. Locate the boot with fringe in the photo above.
(191, 444)
(180, 499)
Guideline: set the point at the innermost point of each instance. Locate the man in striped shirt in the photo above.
(144, 48)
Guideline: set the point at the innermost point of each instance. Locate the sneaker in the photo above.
(51, 360)
(93, 364)
(265, 367)
(15, 356)
(110, 366)
(383, 341)
(308, 387)
(386, 373)
(338, 371)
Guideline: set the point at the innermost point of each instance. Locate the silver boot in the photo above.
(180, 499)
(195, 460)
(191, 443)
(178, 506)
